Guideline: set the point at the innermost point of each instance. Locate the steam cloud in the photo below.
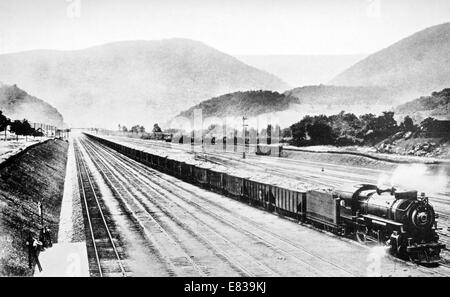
(416, 177)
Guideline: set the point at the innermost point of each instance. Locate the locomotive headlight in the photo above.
(422, 218)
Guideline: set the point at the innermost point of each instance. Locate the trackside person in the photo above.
(36, 250)
(34, 247)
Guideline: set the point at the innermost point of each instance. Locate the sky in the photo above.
(237, 27)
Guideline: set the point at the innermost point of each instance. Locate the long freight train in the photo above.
(402, 220)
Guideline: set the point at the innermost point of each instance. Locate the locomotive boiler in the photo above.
(403, 220)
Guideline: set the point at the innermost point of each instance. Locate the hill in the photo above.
(292, 105)
(341, 96)
(133, 81)
(18, 104)
(302, 70)
(250, 104)
(416, 65)
(437, 106)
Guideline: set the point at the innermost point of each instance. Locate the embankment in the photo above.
(35, 174)
(360, 158)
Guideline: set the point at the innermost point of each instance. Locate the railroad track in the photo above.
(244, 265)
(104, 256)
(309, 176)
(444, 219)
(164, 186)
(177, 261)
(292, 251)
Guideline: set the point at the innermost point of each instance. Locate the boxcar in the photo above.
(175, 166)
(139, 155)
(233, 185)
(289, 202)
(259, 194)
(186, 172)
(145, 159)
(154, 161)
(215, 180)
(149, 159)
(169, 166)
(200, 176)
(177, 169)
(157, 162)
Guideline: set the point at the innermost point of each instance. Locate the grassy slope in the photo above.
(437, 105)
(37, 174)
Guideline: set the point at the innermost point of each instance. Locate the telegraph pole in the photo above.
(244, 132)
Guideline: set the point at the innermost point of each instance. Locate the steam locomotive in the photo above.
(403, 220)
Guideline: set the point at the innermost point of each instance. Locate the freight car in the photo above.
(402, 220)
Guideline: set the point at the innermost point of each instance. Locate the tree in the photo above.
(321, 133)
(315, 130)
(135, 129)
(299, 130)
(16, 127)
(156, 129)
(380, 127)
(286, 133)
(4, 122)
(428, 124)
(22, 128)
(408, 124)
(388, 121)
(124, 129)
(27, 129)
(173, 131)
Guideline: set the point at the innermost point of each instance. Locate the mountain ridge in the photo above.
(414, 66)
(17, 104)
(128, 81)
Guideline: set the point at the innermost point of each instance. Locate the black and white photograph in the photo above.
(240, 140)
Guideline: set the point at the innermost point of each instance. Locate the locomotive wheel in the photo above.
(393, 249)
(395, 244)
(361, 234)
